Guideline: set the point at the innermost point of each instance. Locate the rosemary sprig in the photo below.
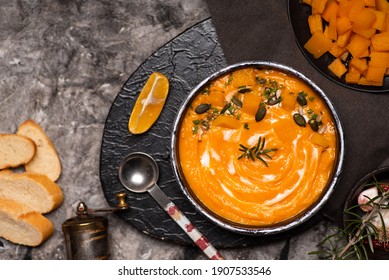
(247, 152)
(256, 152)
(355, 241)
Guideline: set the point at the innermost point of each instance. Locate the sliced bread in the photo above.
(19, 224)
(15, 150)
(36, 191)
(46, 160)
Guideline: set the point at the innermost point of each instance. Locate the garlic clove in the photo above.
(365, 196)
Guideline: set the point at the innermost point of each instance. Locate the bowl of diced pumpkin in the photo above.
(348, 40)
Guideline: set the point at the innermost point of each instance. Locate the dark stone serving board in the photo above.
(186, 60)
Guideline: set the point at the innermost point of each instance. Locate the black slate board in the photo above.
(186, 60)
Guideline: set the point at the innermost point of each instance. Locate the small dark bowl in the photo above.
(298, 17)
(239, 228)
(380, 175)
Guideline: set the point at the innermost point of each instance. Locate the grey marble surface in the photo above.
(62, 63)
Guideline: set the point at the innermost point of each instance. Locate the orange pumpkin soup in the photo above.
(257, 146)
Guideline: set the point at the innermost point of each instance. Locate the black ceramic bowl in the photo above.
(239, 228)
(380, 175)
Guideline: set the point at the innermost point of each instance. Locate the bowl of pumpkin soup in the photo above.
(257, 148)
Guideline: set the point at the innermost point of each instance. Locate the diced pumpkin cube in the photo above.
(379, 20)
(359, 63)
(337, 68)
(337, 51)
(332, 32)
(375, 74)
(289, 100)
(363, 31)
(243, 77)
(344, 8)
(216, 98)
(330, 10)
(318, 6)
(365, 18)
(355, 10)
(382, 5)
(358, 45)
(318, 44)
(380, 41)
(365, 54)
(379, 59)
(352, 78)
(320, 140)
(226, 122)
(353, 69)
(365, 82)
(315, 23)
(343, 24)
(344, 39)
(251, 103)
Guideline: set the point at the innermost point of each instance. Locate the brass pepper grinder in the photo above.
(86, 235)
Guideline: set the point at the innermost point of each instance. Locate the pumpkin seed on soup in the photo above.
(313, 124)
(202, 108)
(236, 101)
(244, 89)
(301, 99)
(225, 108)
(299, 120)
(260, 113)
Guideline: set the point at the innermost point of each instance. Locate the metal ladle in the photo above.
(138, 172)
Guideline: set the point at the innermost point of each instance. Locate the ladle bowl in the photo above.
(138, 172)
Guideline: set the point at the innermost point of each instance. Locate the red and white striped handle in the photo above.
(199, 239)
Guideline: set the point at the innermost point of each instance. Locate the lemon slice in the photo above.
(149, 104)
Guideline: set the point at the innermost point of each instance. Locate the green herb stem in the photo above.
(257, 151)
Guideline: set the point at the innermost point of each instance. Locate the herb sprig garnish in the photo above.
(357, 239)
(257, 152)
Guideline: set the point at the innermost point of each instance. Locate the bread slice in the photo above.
(46, 160)
(15, 150)
(21, 225)
(36, 191)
